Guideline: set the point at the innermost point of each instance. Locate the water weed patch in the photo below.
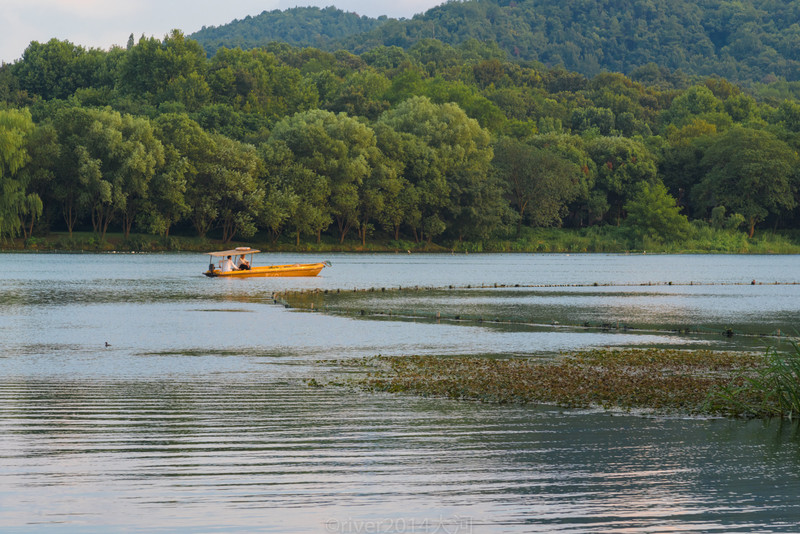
(662, 380)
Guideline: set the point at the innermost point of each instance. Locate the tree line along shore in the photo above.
(607, 239)
(438, 146)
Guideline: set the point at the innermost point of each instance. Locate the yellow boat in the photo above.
(229, 264)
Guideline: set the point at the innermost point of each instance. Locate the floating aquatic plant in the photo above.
(657, 379)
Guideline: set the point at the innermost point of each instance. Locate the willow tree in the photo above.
(141, 157)
(106, 164)
(335, 148)
(190, 150)
(237, 189)
(15, 126)
(38, 176)
(449, 166)
(305, 193)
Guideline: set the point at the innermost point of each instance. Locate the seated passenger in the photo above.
(242, 264)
(227, 265)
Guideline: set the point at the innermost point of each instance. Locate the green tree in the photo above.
(166, 203)
(141, 156)
(749, 172)
(300, 26)
(70, 189)
(98, 193)
(449, 166)
(741, 107)
(105, 165)
(697, 101)
(540, 182)
(191, 157)
(15, 127)
(280, 203)
(622, 164)
(223, 177)
(111, 159)
(572, 148)
(152, 65)
(308, 207)
(255, 82)
(56, 69)
(400, 197)
(362, 94)
(37, 176)
(337, 148)
(405, 85)
(378, 194)
(653, 214)
(239, 197)
(191, 90)
(591, 117)
(680, 164)
(468, 99)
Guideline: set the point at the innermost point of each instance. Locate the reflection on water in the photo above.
(281, 456)
(756, 311)
(198, 416)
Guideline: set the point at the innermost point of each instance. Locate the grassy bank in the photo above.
(612, 239)
(694, 382)
(608, 239)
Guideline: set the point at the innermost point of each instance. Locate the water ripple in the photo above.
(218, 455)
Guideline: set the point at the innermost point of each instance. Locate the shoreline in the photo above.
(357, 250)
(590, 240)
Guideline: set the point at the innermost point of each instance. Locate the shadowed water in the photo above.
(199, 416)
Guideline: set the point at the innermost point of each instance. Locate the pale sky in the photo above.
(103, 23)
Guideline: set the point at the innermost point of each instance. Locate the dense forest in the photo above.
(743, 41)
(300, 26)
(436, 143)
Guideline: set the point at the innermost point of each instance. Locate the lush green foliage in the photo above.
(540, 181)
(697, 381)
(660, 380)
(772, 391)
(750, 171)
(652, 214)
(751, 40)
(15, 200)
(437, 143)
(300, 26)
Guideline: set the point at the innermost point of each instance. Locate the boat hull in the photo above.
(297, 269)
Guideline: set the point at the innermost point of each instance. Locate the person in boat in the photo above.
(227, 265)
(242, 264)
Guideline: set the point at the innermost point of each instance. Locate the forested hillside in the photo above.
(431, 144)
(300, 26)
(748, 40)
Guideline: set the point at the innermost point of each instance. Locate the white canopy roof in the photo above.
(238, 251)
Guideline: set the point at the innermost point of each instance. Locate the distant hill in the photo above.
(300, 26)
(742, 40)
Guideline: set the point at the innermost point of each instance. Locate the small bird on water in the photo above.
(107, 344)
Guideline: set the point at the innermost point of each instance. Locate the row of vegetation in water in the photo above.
(606, 239)
(660, 380)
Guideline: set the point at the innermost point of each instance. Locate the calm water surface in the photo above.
(199, 418)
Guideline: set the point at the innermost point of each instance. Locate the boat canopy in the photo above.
(238, 251)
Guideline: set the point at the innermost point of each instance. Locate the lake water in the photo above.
(198, 416)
